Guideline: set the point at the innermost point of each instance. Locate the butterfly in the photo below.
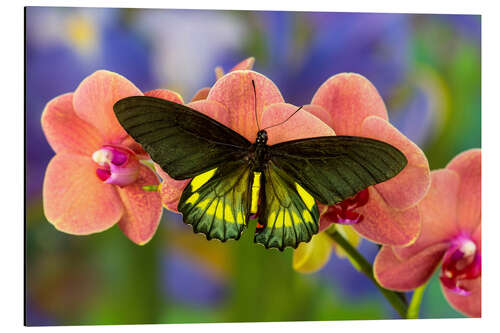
(233, 179)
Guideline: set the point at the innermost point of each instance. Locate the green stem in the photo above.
(397, 300)
(416, 300)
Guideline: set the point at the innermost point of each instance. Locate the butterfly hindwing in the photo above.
(181, 140)
(289, 214)
(335, 168)
(217, 201)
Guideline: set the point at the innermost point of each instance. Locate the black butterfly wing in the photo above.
(183, 141)
(327, 169)
(217, 202)
(334, 168)
(288, 213)
(188, 144)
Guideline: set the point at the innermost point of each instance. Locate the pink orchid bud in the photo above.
(119, 165)
(461, 262)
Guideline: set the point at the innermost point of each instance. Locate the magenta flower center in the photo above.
(345, 212)
(117, 165)
(461, 262)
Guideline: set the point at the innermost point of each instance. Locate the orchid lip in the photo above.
(103, 174)
(345, 212)
(118, 165)
(349, 221)
(461, 262)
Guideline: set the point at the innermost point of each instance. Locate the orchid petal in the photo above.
(213, 110)
(324, 222)
(201, 94)
(65, 131)
(349, 235)
(300, 126)
(143, 209)
(349, 98)
(396, 274)
(476, 237)
(236, 92)
(469, 305)
(246, 64)
(468, 166)
(312, 256)
(169, 95)
(219, 72)
(321, 113)
(170, 190)
(94, 99)
(75, 201)
(438, 210)
(415, 177)
(384, 225)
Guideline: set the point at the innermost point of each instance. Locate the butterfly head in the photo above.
(261, 137)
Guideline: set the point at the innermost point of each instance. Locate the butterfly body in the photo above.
(259, 152)
(233, 179)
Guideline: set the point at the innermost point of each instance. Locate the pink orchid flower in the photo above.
(95, 179)
(231, 102)
(385, 213)
(246, 64)
(451, 235)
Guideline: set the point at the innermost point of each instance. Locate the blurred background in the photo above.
(426, 67)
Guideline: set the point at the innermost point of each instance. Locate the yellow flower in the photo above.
(312, 256)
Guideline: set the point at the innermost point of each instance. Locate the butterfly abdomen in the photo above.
(258, 159)
(256, 185)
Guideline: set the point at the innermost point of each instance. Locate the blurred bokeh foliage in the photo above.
(426, 67)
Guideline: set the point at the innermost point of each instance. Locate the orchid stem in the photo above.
(416, 300)
(397, 300)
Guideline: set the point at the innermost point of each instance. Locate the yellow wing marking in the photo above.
(279, 220)
(211, 209)
(270, 219)
(306, 197)
(199, 180)
(220, 212)
(203, 204)
(288, 219)
(239, 218)
(307, 216)
(228, 214)
(295, 217)
(255, 192)
(192, 199)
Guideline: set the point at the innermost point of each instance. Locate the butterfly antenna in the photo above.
(290, 116)
(255, 103)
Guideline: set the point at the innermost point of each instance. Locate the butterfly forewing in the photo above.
(217, 201)
(335, 168)
(183, 141)
(289, 214)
